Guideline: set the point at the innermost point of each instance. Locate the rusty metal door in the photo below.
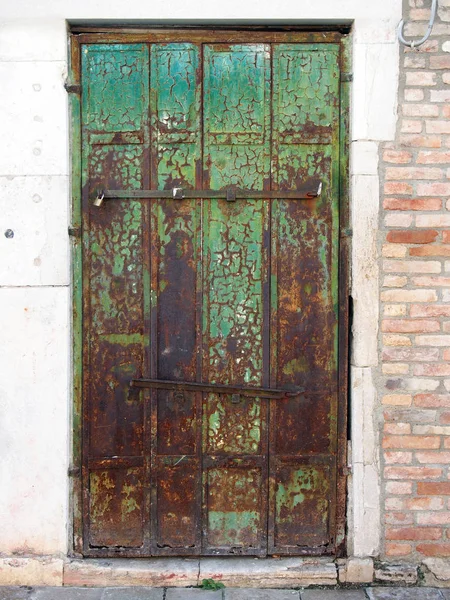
(211, 370)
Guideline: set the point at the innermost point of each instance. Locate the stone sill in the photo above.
(186, 572)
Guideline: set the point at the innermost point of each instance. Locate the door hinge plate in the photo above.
(74, 232)
(72, 88)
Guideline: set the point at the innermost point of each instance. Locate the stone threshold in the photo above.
(186, 572)
(244, 572)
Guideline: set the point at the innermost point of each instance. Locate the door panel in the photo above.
(210, 291)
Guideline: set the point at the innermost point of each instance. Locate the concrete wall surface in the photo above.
(35, 294)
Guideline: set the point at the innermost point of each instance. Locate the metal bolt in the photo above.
(9, 233)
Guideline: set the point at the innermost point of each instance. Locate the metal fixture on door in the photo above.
(229, 194)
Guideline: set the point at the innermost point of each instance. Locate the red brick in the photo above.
(428, 46)
(414, 415)
(433, 518)
(440, 62)
(410, 126)
(432, 400)
(414, 95)
(411, 354)
(411, 442)
(429, 281)
(434, 549)
(432, 370)
(446, 354)
(420, 110)
(420, 78)
(420, 141)
(413, 533)
(446, 237)
(393, 549)
(411, 237)
(394, 187)
(410, 326)
(412, 266)
(427, 157)
(399, 487)
(397, 428)
(433, 189)
(434, 310)
(398, 219)
(433, 458)
(413, 173)
(398, 518)
(419, 14)
(397, 156)
(434, 220)
(445, 111)
(397, 458)
(430, 250)
(437, 127)
(412, 204)
(409, 296)
(447, 443)
(424, 503)
(433, 488)
(393, 503)
(412, 472)
(445, 420)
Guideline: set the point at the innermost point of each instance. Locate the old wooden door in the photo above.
(240, 293)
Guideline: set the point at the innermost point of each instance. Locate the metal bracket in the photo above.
(347, 232)
(231, 195)
(74, 232)
(177, 193)
(72, 88)
(346, 76)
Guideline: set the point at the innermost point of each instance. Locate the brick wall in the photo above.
(415, 298)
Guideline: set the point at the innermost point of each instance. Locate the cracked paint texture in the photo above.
(233, 293)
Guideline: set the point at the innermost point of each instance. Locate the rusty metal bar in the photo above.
(188, 386)
(229, 194)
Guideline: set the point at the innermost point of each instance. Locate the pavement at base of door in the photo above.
(141, 593)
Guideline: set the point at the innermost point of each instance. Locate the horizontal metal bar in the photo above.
(180, 194)
(187, 386)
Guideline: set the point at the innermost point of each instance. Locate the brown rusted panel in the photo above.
(177, 527)
(116, 424)
(177, 423)
(116, 508)
(302, 424)
(114, 153)
(305, 255)
(235, 427)
(235, 507)
(304, 494)
(175, 267)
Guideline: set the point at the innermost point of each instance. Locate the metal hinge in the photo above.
(345, 471)
(74, 471)
(346, 76)
(346, 232)
(72, 88)
(74, 232)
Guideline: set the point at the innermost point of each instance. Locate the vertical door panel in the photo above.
(175, 285)
(304, 298)
(116, 507)
(115, 152)
(235, 249)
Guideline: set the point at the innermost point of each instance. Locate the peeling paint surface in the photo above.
(240, 293)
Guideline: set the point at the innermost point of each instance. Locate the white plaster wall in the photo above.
(35, 392)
